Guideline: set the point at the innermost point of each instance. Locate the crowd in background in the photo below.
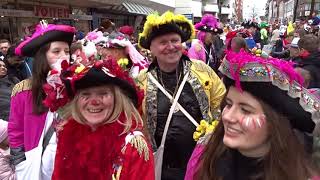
(205, 60)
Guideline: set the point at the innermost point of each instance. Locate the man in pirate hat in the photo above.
(178, 93)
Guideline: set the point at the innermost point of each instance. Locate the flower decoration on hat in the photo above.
(62, 87)
(209, 23)
(168, 22)
(127, 30)
(246, 67)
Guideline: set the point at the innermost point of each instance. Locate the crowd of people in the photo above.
(180, 101)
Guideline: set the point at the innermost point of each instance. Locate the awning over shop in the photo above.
(135, 8)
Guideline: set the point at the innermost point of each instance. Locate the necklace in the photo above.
(175, 89)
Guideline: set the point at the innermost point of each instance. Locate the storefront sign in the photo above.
(51, 12)
(189, 17)
(15, 13)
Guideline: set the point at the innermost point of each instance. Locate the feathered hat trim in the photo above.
(168, 22)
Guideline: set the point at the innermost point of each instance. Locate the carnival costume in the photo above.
(201, 95)
(275, 82)
(134, 61)
(199, 50)
(26, 130)
(107, 152)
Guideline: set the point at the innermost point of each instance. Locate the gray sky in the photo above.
(248, 5)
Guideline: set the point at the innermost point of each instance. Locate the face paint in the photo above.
(94, 102)
(252, 123)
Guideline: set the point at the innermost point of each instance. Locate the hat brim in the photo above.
(183, 29)
(279, 100)
(211, 30)
(96, 77)
(41, 37)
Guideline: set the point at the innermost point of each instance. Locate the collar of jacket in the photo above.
(154, 64)
(151, 97)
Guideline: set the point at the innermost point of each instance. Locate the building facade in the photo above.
(19, 17)
(283, 10)
(194, 9)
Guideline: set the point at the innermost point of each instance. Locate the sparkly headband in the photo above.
(244, 67)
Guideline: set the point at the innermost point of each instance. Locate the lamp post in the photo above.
(295, 10)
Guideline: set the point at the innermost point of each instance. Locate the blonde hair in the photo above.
(122, 103)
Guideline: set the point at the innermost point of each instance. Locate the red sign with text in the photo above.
(51, 12)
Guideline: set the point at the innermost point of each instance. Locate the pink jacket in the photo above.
(24, 128)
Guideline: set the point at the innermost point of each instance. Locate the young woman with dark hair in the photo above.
(29, 120)
(257, 137)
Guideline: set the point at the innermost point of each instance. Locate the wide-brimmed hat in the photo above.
(113, 40)
(209, 23)
(79, 76)
(45, 33)
(168, 22)
(275, 82)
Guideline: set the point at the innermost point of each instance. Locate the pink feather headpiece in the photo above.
(246, 67)
(208, 23)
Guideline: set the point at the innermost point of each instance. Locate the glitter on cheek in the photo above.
(252, 123)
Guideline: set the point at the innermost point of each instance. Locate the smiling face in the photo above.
(96, 104)
(244, 123)
(4, 47)
(168, 51)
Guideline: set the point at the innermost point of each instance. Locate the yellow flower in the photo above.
(80, 69)
(204, 128)
(203, 123)
(212, 127)
(196, 135)
(123, 62)
(207, 85)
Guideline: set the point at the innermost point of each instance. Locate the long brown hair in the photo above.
(40, 71)
(286, 158)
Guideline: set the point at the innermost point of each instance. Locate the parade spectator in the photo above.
(4, 46)
(6, 84)
(257, 137)
(275, 34)
(205, 49)
(129, 31)
(257, 36)
(179, 92)
(4, 145)
(75, 50)
(106, 26)
(102, 137)
(309, 58)
(118, 46)
(29, 119)
(264, 33)
(16, 65)
(289, 54)
(6, 172)
(294, 48)
(238, 43)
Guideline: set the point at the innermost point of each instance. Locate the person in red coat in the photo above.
(101, 137)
